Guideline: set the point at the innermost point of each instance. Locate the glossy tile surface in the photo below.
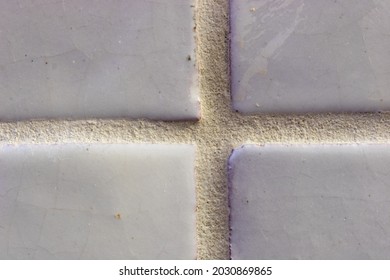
(97, 202)
(310, 56)
(310, 202)
(109, 59)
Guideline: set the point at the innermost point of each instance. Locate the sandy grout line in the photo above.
(219, 130)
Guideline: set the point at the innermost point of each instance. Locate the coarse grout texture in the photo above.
(215, 135)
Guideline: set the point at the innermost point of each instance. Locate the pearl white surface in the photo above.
(296, 56)
(108, 59)
(310, 202)
(97, 201)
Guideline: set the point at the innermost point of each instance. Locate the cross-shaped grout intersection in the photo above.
(219, 130)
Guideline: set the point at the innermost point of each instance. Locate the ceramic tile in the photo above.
(97, 202)
(310, 202)
(84, 58)
(310, 56)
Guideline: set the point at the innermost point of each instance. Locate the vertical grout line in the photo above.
(215, 104)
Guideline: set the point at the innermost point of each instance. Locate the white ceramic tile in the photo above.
(310, 202)
(84, 58)
(97, 202)
(310, 56)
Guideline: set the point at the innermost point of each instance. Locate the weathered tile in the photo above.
(84, 58)
(310, 202)
(310, 56)
(97, 202)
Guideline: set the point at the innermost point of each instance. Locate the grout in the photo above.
(217, 132)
